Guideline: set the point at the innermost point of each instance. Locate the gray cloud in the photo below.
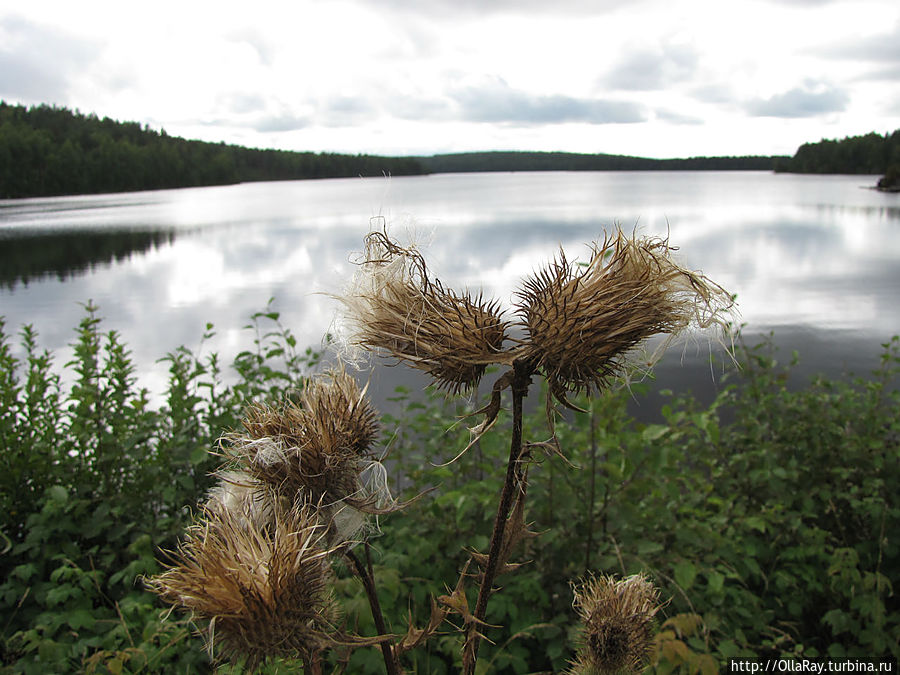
(887, 74)
(479, 7)
(881, 49)
(675, 117)
(285, 122)
(652, 69)
(345, 111)
(805, 101)
(36, 61)
(498, 102)
(240, 103)
(714, 93)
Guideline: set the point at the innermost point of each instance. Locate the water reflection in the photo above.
(815, 253)
(26, 257)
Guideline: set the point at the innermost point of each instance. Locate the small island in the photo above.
(890, 182)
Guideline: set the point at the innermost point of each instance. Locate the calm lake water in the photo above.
(816, 258)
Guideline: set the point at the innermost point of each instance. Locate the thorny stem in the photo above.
(592, 498)
(521, 380)
(367, 577)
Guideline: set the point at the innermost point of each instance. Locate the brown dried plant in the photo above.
(397, 309)
(315, 451)
(293, 490)
(583, 321)
(264, 592)
(581, 325)
(297, 486)
(618, 617)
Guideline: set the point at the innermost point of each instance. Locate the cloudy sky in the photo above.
(656, 78)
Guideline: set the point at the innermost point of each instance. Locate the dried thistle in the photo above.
(315, 452)
(265, 593)
(316, 448)
(245, 498)
(583, 321)
(618, 620)
(395, 308)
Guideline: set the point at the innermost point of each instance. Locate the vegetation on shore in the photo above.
(868, 154)
(571, 161)
(764, 518)
(48, 150)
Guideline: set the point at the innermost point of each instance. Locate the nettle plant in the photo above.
(300, 483)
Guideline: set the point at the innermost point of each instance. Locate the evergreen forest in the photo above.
(49, 150)
(869, 154)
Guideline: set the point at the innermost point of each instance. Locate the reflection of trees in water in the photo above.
(30, 257)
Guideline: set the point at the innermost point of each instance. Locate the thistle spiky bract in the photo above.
(395, 308)
(582, 322)
(316, 452)
(263, 592)
(617, 617)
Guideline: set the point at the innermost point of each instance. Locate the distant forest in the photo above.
(869, 154)
(49, 150)
(570, 161)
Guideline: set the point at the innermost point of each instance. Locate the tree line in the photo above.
(570, 161)
(49, 150)
(868, 154)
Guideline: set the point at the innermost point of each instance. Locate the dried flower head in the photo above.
(582, 320)
(394, 307)
(263, 592)
(618, 624)
(317, 447)
(314, 452)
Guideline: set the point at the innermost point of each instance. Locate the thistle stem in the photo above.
(593, 493)
(366, 575)
(522, 371)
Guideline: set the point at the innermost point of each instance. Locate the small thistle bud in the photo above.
(394, 308)
(618, 624)
(265, 593)
(582, 321)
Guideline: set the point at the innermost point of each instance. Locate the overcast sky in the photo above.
(655, 78)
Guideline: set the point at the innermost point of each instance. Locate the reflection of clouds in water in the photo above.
(797, 250)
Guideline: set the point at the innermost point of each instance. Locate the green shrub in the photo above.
(766, 517)
(94, 482)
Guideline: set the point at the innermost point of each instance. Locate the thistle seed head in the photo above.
(265, 593)
(618, 624)
(314, 449)
(394, 308)
(583, 321)
(314, 452)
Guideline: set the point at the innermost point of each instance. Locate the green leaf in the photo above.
(24, 572)
(715, 581)
(755, 523)
(685, 573)
(654, 432)
(58, 494)
(80, 618)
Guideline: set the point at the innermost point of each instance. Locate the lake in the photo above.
(814, 258)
